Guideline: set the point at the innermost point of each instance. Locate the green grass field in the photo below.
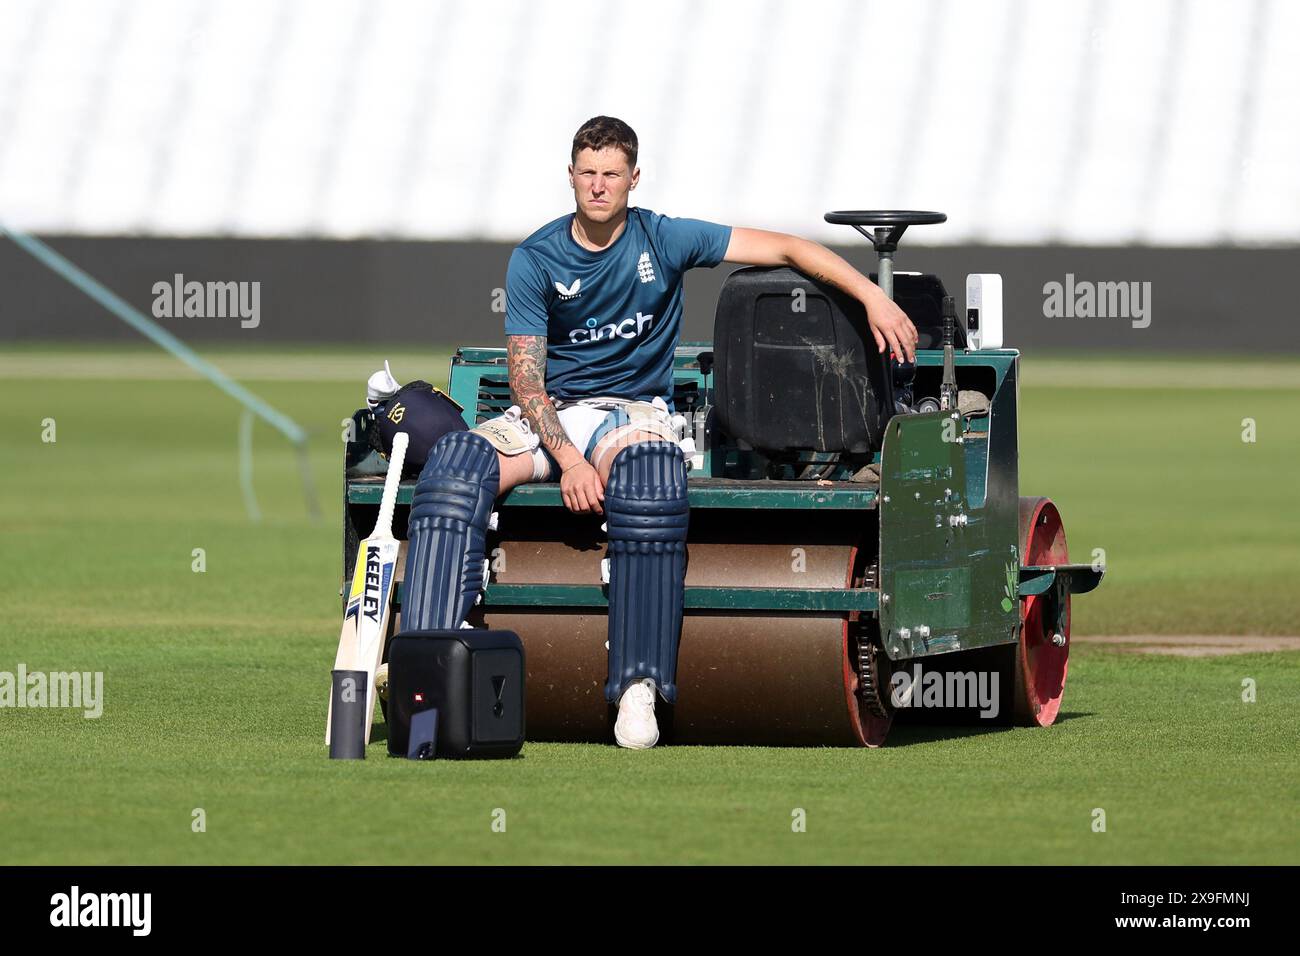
(215, 681)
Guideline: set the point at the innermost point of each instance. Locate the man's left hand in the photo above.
(890, 325)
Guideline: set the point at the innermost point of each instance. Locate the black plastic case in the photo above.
(474, 678)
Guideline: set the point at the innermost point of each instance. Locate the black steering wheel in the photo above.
(888, 225)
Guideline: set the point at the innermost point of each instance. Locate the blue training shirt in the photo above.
(611, 318)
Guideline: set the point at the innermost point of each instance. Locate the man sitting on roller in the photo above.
(593, 316)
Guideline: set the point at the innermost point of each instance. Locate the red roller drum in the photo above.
(1041, 666)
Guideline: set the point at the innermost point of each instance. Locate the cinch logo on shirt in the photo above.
(624, 329)
(568, 292)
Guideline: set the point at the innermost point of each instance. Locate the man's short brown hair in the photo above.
(603, 132)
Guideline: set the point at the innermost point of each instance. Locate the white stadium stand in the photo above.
(1163, 122)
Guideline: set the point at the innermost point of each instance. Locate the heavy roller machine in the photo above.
(850, 515)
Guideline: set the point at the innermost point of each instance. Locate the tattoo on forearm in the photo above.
(526, 360)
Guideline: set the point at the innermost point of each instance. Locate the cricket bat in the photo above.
(370, 601)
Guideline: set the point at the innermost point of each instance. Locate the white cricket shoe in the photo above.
(636, 728)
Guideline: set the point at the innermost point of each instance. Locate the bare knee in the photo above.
(607, 448)
(512, 470)
(515, 470)
(519, 456)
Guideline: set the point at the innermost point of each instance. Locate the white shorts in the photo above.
(580, 423)
(584, 424)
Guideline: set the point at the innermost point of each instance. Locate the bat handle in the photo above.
(396, 458)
